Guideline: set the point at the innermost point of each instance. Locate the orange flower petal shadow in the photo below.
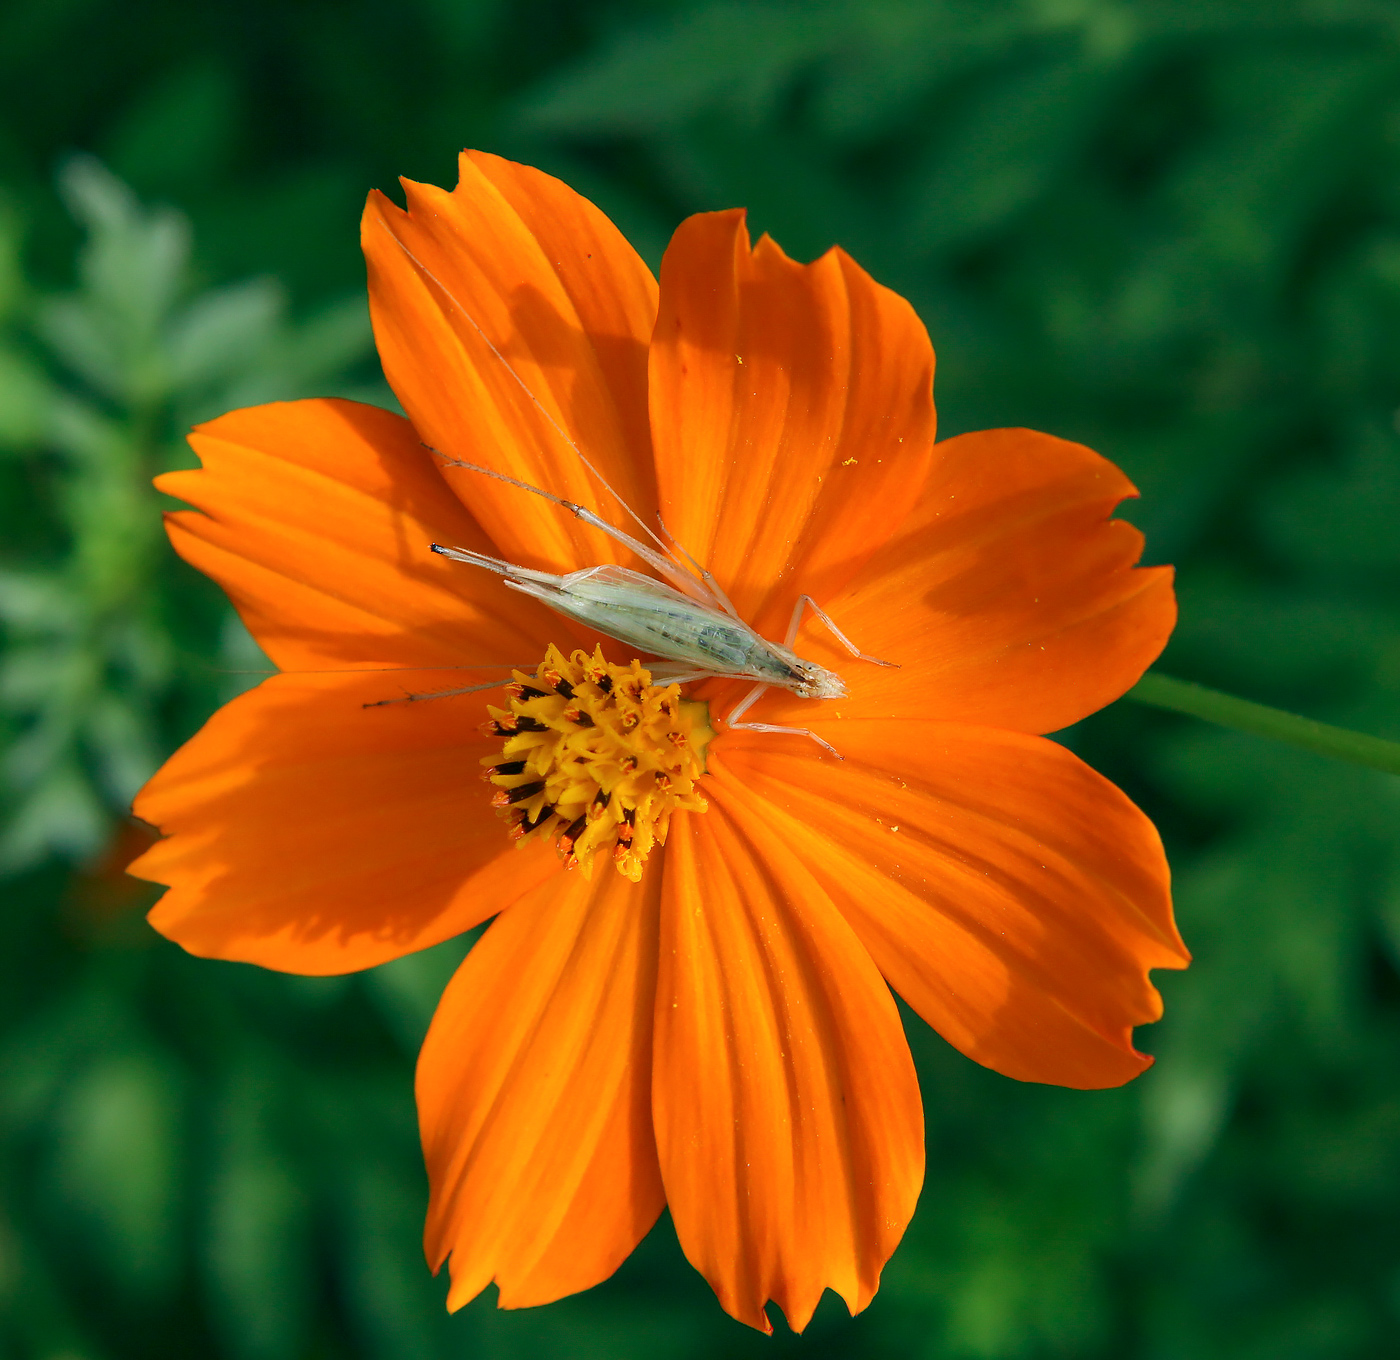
(307, 833)
(788, 1118)
(317, 518)
(1015, 898)
(534, 1094)
(513, 319)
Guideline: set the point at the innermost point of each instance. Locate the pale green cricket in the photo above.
(691, 624)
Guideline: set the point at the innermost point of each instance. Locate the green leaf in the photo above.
(59, 813)
(1001, 146)
(737, 54)
(223, 331)
(26, 398)
(115, 1169)
(258, 1240)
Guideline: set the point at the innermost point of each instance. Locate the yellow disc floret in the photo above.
(597, 757)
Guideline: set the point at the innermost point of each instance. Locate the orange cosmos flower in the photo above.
(718, 1036)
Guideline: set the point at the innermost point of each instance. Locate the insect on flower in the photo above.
(705, 1021)
(692, 622)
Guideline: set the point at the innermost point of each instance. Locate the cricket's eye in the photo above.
(598, 757)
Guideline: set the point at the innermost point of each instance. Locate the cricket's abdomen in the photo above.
(655, 619)
(684, 635)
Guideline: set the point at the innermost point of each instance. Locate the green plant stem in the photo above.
(1182, 696)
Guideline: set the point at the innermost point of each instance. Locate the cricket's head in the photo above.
(815, 682)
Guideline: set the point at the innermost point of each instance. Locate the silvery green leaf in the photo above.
(123, 746)
(1005, 142)
(13, 289)
(47, 742)
(78, 336)
(330, 340)
(1182, 1115)
(133, 267)
(144, 652)
(62, 815)
(37, 1058)
(27, 678)
(900, 52)
(300, 358)
(223, 331)
(37, 601)
(79, 428)
(25, 398)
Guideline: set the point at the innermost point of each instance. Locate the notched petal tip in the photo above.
(512, 319)
(534, 1097)
(1013, 896)
(305, 835)
(1011, 593)
(786, 1106)
(791, 412)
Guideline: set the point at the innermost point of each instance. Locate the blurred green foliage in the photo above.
(1168, 228)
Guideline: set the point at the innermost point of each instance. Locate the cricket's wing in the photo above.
(653, 618)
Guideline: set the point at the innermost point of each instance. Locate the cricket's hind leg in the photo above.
(807, 602)
(747, 703)
(679, 549)
(702, 588)
(496, 564)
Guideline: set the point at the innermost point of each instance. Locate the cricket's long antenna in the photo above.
(376, 670)
(524, 387)
(435, 694)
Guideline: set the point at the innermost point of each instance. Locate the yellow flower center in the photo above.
(598, 757)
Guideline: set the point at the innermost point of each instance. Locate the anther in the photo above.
(522, 793)
(505, 767)
(612, 727)
(511, 723)
(524, 826)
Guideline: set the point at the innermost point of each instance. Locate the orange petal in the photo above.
(787, 1110)
(791, 410)
(534, 1095)
(308, 833)
(1015, 898)
(512, 318)
(318, 519)
(1008, 598)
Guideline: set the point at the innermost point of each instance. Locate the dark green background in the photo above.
(1171, 230)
